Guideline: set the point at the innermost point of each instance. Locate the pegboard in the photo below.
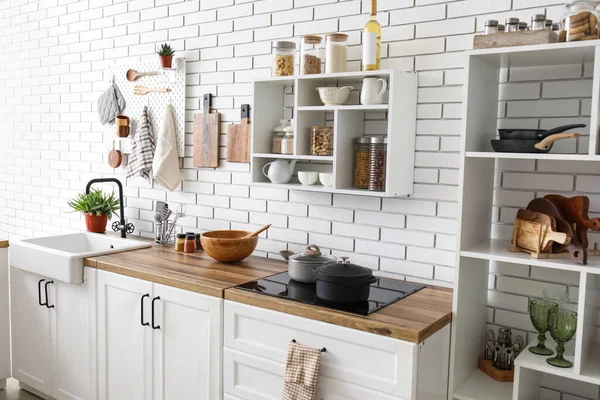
(173, 78)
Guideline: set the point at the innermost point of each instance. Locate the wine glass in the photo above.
(558, 295)
(562, 324)
(538, 311)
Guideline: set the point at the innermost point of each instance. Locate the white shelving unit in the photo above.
(477, 248)
(349, 121)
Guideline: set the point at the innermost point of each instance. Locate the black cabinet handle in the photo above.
(153, 300)
(46, 291)
(142, 313)
(40, 294)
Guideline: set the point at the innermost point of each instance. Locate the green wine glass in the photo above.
(562, 324)
(538, 311)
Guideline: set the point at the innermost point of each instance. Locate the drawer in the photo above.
(366, 360)
(249, 377)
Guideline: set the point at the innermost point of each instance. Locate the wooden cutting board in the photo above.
(575, 209)
(544, 234)
(207, 130)
(238, 138)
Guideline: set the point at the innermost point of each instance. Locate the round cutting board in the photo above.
(115, 157)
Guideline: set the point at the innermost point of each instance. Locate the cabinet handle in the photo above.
(142, 313)
(46, 291)
(153, 300)
(40, 294)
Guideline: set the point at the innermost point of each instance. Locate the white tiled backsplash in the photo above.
(54, 53)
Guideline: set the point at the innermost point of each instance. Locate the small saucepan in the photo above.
(530, 146)
(534, 134)
(344, 282)
(301, 267)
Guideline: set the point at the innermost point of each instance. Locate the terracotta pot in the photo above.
(96, 223)
(166, 61)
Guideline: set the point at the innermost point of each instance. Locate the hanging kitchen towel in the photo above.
(110, 104)
(166, 160)
(142, 149)
(301, 372)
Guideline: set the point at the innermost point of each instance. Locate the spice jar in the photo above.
(501, 28)
(198, 244)
(179, 241)
(278, 136)
(361, 163)
(549, 24)
(287, 142)
(538, 22)
(310, 55)
(189, 246)
(556, 28)
(523, 26)
(491, 26)
(580, 21)
(512, 24)
(377, 163)
(336, 58)
(283, 58)
(321, 140)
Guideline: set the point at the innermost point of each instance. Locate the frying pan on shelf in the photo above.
(530, 146)
(534, 134)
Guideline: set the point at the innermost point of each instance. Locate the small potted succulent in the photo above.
(97, 207)
(165, 52)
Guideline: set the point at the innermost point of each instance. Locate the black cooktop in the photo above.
(383, 292)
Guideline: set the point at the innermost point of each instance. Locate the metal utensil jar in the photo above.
(378, 160)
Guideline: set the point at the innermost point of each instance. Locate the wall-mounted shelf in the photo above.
(298, 95)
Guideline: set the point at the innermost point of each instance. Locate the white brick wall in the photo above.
(54, 53)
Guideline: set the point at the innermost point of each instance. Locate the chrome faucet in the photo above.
(117, 225)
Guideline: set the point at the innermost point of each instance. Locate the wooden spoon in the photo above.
(264, 228)
(115, 157)
(132, 74)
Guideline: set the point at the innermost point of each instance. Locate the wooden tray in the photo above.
(509, 39)
(496, 374)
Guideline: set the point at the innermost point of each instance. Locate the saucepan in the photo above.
(530, 146)
(534, 134)
(301, 267)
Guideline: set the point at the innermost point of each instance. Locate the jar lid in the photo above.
(362, 140)
(181, 236)
(190, 236)
(491, 22)
(378, 140)
(512, 21)
(190, 233)
(337, 37)
(282, 44)
(523, 26)
(582, 4)
(312, 39)
(501, 27)
(538, 17)
(320, 127)
(549, 23)
(197, 236)
(556, 26)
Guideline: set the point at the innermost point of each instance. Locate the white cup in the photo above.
(326, 179)
(308, 177)
(371, 93)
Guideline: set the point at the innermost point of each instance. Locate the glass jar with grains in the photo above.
(283, 58)
(287, 143)
(580, 21)
(336, 57)
(278, 136)
(310, 55)
(361, 163)
(378, 160)
(321, 140)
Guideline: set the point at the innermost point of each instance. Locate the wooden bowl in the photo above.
(227, 246)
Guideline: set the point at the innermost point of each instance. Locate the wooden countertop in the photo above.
(196, 272)
(3, 244)
(413, 318)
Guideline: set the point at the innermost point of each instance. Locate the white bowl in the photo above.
(334, 96)
(308, 177)
(326, 179)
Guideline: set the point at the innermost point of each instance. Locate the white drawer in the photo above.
(366, 360)
(248, 377)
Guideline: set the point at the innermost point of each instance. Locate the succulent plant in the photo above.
(165, 50)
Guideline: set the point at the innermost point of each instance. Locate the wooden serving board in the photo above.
(207, 130)
(535, 237)
(575, 209)
(549, 231)
(238, 138)
(509, 39)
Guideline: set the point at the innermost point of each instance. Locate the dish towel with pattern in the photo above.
(301, 372)
(165, 167)
(142, 149)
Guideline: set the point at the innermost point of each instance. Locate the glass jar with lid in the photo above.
(523, 26)
(491, 26)
(512, 24)
(278, 135)
(311, 55)
(287, 142)
(549, 23)
(538, 22)
(283, 58)
(377, 163)
(336, 57)
(321, 140)
(362, 162)
(580, 21)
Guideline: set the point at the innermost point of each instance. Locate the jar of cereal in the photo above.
(580, 21)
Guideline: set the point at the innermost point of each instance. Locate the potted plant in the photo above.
(97, 207)
(165, 52)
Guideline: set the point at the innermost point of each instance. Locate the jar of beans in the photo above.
(361, 163)
(321, 140)
(311, 55)
(283, 58)
(377, 160)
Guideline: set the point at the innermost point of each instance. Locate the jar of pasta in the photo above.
(321, 140)
(580, 21)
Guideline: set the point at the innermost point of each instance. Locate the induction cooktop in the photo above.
(383, 292)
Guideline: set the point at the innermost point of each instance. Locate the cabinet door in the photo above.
(74, 338)
(187, 346)
(124, 344)
(4, 317)
(31, 344)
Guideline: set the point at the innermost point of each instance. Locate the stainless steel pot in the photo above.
(301, 267)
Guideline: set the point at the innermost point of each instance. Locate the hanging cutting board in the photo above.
(238, 138)
(207, 128)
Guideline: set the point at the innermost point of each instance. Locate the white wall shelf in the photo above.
(299, 96)
(479, 386)
(530, 156)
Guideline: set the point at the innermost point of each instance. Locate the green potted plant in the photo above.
(165, 52)
(97, 207)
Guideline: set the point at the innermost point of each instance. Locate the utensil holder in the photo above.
(165, 233)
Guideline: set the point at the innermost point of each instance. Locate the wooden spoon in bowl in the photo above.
(132, 74)
(255, 233)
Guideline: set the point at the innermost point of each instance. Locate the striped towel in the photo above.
(142, 150)
(301, 372)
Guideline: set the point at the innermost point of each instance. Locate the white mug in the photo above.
(370, 93)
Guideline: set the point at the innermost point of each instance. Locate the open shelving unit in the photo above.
(349, 121)
(477, 248)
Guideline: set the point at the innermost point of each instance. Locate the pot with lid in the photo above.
(344, 282)
(301, 267)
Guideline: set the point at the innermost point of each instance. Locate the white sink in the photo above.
(61, 257)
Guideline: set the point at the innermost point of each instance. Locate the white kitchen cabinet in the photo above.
(54, 334)
(4, 319)
(357, 365)
(157, 342)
